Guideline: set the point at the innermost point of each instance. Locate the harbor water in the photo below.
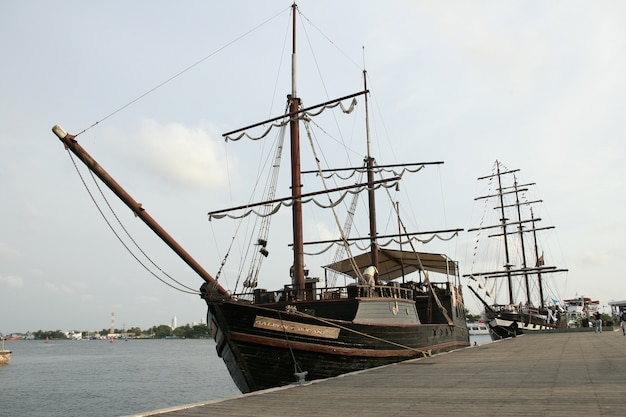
(98, 378)
(95, 378)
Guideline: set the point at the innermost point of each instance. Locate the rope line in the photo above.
(296, 366)
(188, 289)
(296, 312)
(422, 351)
(173, 77)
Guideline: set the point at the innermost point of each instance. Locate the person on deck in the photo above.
(370, 276)
(623, 322)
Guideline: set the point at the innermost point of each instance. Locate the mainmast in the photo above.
(520, 229)
(537, 262)
(503, 222)
(371, 194)
(297, 278)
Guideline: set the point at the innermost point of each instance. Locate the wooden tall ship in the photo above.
(515, 293)
(306, 330)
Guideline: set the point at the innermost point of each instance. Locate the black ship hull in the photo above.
(514, 323)
(276, 344)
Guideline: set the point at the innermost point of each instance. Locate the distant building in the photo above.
(616, 309)
(73, 335)
(580, 308)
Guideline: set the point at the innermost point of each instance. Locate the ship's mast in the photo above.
(297, 278)
(520, 229)
(371, 194)
(539, 280)
(503, 222)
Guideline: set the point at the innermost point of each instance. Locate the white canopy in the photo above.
(393, 264)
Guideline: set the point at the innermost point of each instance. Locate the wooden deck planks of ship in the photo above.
(560, 374)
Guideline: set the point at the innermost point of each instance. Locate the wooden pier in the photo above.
(560, 374)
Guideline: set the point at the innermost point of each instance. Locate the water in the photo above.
(97, 378)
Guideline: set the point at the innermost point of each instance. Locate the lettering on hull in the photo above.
(296, 328)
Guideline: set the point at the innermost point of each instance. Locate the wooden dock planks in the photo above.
(560, 374)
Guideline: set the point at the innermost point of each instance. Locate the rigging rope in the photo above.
(304, 116)
(173, 77)
(252, 276)
(482, 283)
(339, 326)
(386, 243)
(263, 234)
(421, 266)
(344, 238)
(423, 351)
(289, 203)
(296, 365)
(188, 289)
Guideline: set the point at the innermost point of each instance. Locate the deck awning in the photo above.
(393, 264)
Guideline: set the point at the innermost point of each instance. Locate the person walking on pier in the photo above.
(598, 322)
(623, 322)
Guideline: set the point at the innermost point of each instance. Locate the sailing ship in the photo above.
(520, 298)
(397, 303)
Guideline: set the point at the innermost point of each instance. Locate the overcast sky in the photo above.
(538, 85)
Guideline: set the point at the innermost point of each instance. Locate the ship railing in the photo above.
(391, 290)
(289, 293)
(515, 308)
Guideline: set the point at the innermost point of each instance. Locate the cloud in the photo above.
(7, 252)
(323, 230)
(60, 289)
(12, 281)
(183, 156)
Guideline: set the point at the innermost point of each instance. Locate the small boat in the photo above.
(396, 303)
(514, 273)
(5, 354)
(477, 328)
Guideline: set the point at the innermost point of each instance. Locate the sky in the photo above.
(152, 85)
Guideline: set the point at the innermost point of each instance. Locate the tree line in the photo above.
(197, 331)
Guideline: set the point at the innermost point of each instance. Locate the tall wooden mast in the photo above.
(371, 194)
(297, 278)
(520, 229)
(503, 222)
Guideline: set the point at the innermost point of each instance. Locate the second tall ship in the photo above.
(509, 268)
